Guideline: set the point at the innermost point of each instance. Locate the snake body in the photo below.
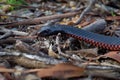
(106, 42)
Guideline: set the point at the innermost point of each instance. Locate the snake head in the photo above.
(49, 30)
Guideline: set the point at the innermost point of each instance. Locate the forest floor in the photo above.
(25, 55)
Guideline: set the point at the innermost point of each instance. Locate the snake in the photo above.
(95, 39)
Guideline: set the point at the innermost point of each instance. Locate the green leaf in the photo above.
(112, 13)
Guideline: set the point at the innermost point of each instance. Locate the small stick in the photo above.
(91, 2)
(44, 18)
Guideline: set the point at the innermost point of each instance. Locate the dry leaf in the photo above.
(5, 73)
(63, 70)
(114, 55)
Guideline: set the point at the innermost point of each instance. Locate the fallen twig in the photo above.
(45, 18)
(91, 2)
(20, 33)
(6, 35)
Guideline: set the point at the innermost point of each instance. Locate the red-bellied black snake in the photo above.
(106, 42)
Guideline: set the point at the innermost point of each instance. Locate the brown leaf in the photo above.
(114, 55)
(63, 70)
(6, 73)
